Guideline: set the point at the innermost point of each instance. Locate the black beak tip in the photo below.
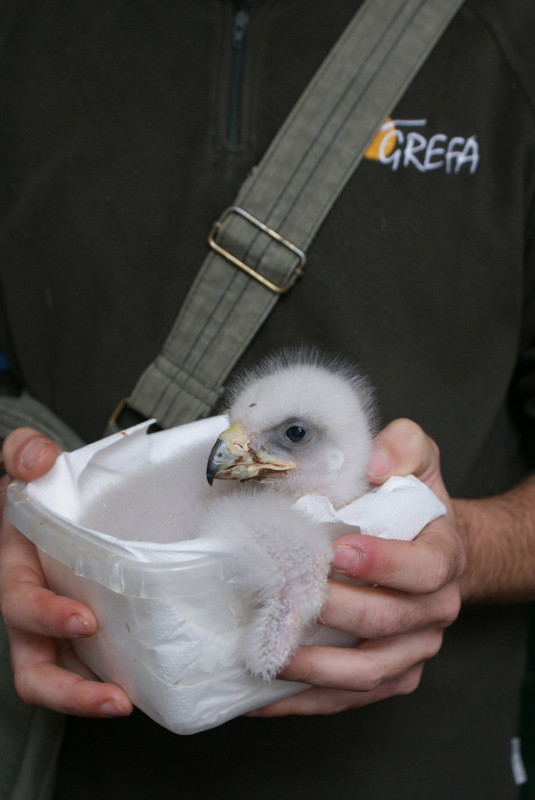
(211, 464)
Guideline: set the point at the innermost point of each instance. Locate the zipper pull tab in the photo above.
(241, 23)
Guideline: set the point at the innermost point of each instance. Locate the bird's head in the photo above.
(299, 425)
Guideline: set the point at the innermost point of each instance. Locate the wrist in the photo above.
(498, 534)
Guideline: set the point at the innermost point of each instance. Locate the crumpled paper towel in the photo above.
(168, 615)
(395, 510)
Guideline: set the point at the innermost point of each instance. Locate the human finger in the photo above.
(317, 700)
(367, 666)
(39, 680)
(354, 677)
(27, 454)
(421, 566)
(25, 601)
(403, 448)
(367, 612)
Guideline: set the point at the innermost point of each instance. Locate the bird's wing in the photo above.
(280, 561)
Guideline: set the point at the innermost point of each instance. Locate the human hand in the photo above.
(410, 594)
(41, 624)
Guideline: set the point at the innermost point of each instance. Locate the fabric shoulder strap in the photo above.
(257, 248)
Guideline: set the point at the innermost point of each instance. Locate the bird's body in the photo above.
(298, 426)
(279, 563)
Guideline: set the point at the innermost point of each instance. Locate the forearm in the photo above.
(499, 537)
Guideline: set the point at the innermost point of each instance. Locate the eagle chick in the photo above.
(299, 426)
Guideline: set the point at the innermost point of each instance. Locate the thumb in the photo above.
(403, 448)
(28, 454)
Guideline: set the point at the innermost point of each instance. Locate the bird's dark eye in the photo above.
(296, 433)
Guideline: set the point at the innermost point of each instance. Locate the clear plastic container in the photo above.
(168, 616)
(113, 523)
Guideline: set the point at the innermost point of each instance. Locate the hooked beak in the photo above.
(234, 456)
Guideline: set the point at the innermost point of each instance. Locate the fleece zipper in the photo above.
(240, 25)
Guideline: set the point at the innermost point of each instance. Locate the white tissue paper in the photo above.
(112, 523)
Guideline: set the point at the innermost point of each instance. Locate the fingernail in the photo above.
(345, 558)
(79, 626)
(379, 463)
(112, 709)
(33, 452)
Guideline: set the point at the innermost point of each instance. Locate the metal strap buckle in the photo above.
(124, 416)
(299, 254)
(119, 408)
